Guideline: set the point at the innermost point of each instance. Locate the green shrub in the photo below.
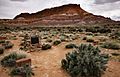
(13, 38)
(9, 45)
(2, 50)
(24, 48)
(101, 30)
(103, 38)
(70, 46)
(110, 45)
(115, 54)
(56, 42)
(9, 60)
(85, 61)
(2, 41)
(24, 71)
(46, 46)
(117, 33)
(91, 29)
(62, 38)
(90, 40)
(84, 38)
(89, 33)
(45, 37)
(104, 30)
(49, 40)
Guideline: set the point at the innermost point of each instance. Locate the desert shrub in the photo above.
(26, 37)
(8, 45)
(74, 38)
(24, 71)
(22, 43)
(93, 30)
(103, 38)
(115, 54)
(56, 42)
(46, 46)
(13, 38)
(9, 60)
(49, 40)
(110, 45)
(85, 61)
(2, 41)
(90, 40)
(84, 38)
(117, 33)
(62, 38)
(96, 34)
(24, 48)
(89, 33)
(70, 46)
(101, 30)
(104, 30)
(26, 43)
(2, 50)
(80, 30)
(45, 37)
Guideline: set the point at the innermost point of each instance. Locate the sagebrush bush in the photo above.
(49, 40)
(104, 30)
(89, 33)
(2, 41)
(90, 40)
(56, 42)
(2, 50)
(84, 38)
(117, 33)
(85, 61)
(62, 38)
(93, 30)
(9, 60)
(9, 45)
(70, 46)
(110, 45)
(115, 54)
(46, 46)
(24, 71)
(101, 30)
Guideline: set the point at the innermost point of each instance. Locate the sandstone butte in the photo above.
(65, 14)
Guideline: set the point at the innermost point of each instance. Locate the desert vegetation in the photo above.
(9, 60)
(85, 61)
(60, 51)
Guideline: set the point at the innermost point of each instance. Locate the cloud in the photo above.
(19, 0)
(111, 10)
(105, 1)
(11, 8)
(116, 18)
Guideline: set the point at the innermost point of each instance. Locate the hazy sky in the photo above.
(107, 8)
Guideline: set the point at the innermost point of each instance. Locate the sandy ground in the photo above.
(48, 63)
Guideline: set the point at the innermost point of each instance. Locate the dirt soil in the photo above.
(48, 63)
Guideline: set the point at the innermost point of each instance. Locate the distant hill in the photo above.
(66, 14)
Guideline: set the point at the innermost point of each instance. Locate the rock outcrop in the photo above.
(66, 14)
(65, 10)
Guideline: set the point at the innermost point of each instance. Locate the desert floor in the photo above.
(47, 63)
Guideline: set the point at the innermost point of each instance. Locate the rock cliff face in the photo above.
(66, 14)
(65, 10)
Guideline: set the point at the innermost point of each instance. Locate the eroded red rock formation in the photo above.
(65, 10)
(66, 14)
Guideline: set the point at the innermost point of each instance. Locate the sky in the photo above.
(108, 8)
